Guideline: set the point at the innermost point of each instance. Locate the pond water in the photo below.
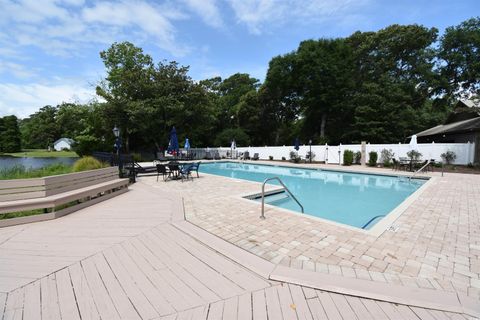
(9, 162)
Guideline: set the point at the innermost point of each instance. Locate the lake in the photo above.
(9, 162)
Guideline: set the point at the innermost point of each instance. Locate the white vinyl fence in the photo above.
(334, 154)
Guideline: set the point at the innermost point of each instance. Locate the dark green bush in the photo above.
(372, 158)
(348, 157)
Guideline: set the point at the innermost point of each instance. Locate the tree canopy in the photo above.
(377, 86)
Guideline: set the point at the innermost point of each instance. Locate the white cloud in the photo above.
(64, 27)
(208, 10)
(257, 14)
(23, 100)
(17, 70)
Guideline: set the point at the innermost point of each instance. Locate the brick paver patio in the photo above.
(436, 243)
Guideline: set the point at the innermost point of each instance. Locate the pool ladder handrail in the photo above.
(284, 187)
(423, 167)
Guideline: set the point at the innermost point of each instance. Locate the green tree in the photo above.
(459, 55)
(40, 130)
(128, 83)
(10, 136)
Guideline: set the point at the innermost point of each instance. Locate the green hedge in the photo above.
(348, 157)
(372, 158)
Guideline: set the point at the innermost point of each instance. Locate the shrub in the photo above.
(372, 158)
(270, 157)
(449, 157)
(87, 163)
(357, 157)
(414, 155)
(311, 155)
(386, 157)
(294, 157)
(347, 157)
(137, 157)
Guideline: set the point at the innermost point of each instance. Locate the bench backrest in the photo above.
(20, 189)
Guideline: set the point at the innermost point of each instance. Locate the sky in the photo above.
(49, 49)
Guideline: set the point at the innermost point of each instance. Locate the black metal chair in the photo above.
(162, 170)
(255, 156)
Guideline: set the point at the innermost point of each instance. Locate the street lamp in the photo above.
(118, 141)
(310, 155)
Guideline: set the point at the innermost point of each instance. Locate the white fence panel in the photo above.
(334, 154)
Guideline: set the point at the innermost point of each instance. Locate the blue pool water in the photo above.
(349, 198)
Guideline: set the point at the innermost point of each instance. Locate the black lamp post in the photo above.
(118, 146)
(310, 155)
(118, 141)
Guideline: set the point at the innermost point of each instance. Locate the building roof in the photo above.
(471, 103)
(67, 140)
(455, 127)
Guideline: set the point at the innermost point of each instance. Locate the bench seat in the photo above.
(61, 198)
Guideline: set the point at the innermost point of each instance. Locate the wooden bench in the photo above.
(58, 195)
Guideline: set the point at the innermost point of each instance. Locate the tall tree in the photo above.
(459, 55)
(128, 81)
(10, 137)
(40, 130)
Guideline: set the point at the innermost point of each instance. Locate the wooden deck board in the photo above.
(136, 296)
(103, 300)
(179, 271)
(14, 305)
(49, 297)
(86, 304)
(120, 300)
(66, 296)
(273, 304)
(245, 306)
(316, 309)
(302, 309)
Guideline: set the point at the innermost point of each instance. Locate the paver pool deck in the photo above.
(197, 250)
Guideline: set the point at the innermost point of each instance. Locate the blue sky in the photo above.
(49, 49)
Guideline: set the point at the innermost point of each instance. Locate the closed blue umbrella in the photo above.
(187, 144)
(173, 143)
(296, 144)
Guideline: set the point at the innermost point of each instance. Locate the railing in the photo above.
(423, 167)
(284, 187)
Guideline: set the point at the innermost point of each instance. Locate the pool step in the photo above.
(277, 198)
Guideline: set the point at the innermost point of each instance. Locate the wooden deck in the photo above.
(124, 259)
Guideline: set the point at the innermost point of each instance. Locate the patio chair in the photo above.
(174, 169)
(194, 168)
(162, 170)
(139, 169)
(185, 171)
(255, 156)
(246, 155)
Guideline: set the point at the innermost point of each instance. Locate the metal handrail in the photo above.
(423, 167)
(284, 187)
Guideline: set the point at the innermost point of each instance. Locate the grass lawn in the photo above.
(20, 172)
(43, 154)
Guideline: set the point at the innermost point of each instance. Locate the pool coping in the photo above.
(376, 231)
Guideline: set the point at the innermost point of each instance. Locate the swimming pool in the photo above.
(349, 198)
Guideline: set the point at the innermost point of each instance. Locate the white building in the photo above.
(63, 143)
